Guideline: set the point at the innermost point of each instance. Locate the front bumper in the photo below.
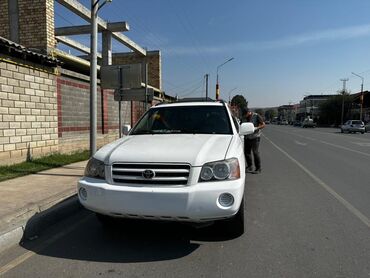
(193, 203)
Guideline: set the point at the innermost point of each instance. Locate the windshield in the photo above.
(356, 122)
(186, 119)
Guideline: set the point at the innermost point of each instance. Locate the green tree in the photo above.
(260, 112)
(270, 114)
(331, 110)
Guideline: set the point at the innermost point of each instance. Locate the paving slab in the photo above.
(31, 203)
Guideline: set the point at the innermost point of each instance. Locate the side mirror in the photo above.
(126, 129)
(246, 128)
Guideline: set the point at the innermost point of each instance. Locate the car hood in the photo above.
(195, 149)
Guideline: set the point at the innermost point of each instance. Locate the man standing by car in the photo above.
(252, 142)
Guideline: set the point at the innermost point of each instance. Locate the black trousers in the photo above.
(251, 147)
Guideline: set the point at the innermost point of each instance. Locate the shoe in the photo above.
(249, 169)
(257, 171)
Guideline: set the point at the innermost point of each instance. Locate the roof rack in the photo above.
(194, 99)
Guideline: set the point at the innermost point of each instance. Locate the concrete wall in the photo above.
(42, 112)
(73, 94)
(28, 111)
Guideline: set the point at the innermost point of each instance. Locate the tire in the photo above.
(235, 227)
(362, 132)
(341, 130)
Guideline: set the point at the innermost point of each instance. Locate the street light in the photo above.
(217, 84)
(93, 72)
(362, 92)
(344, 80)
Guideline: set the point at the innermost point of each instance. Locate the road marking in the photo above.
(342, 135)
(338, 134)
(327, 143)
(331, 191)
(362, 144)
(17, 261)
(300, 143)
(24, 257)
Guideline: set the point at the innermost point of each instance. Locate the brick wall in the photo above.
(154, 64)
(36, 23)
(28, 111)
(4, 19)
(74, 114)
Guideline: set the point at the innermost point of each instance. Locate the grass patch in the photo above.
(40, 164)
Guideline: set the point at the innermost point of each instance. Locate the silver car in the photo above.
(353, 126)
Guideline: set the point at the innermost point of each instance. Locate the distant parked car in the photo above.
(284, 122)
(308, 123)
(353, 126)
(267, 122)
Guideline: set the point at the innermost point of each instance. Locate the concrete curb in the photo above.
(29, 222)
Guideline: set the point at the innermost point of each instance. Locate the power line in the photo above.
(62, 17)
(150, 35)
(190, 34)
(191, 87)
(194, 90)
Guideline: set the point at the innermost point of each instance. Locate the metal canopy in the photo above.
(85, 13)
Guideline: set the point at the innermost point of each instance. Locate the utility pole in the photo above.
(344, 80)
(206, 76)
(93, 72)
(362, 93)
(93, 76)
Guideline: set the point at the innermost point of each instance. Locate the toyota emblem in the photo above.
(148, 174)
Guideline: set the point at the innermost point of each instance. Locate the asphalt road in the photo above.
(307, 215)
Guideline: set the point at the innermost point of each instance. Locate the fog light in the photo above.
(83, 193)
(226, 200)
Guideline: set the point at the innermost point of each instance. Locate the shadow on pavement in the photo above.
(127, 241)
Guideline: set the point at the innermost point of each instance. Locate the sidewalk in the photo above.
(24, 199)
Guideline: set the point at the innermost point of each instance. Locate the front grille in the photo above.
(164, 174)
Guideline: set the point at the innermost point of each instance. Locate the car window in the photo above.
(185, 119)
(356, 122)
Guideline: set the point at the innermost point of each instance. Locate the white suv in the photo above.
(182, 161)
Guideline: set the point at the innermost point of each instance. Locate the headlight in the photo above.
(220, 170)
(95, 169)
(207, 173)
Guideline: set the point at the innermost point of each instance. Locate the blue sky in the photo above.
(283, 49)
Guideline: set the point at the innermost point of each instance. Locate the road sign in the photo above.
(133, 94)
(121, 76)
